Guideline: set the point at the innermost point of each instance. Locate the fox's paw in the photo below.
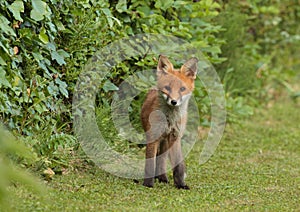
(185, 187)
(148, 183)
(162, 178)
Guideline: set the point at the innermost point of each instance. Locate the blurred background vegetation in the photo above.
(44, 44)
(12, 152)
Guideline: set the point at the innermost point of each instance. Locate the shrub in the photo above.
(44, 45)
(261, 37)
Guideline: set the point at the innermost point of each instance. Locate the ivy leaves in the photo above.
(39, 10)
(16, 8)
(5, 28)
(163, 4)
(30, 60)
(37, 38)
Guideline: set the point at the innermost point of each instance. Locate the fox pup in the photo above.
(164, 117)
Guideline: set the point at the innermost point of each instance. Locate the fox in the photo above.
(164, 117)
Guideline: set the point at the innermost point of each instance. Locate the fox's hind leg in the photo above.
(177, 163)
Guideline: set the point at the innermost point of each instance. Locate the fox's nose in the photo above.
(173, 102)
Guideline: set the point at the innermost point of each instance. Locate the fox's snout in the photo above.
(172, 101)
(176, 101)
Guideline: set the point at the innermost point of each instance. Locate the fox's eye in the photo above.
(182, 89)
(168, 88)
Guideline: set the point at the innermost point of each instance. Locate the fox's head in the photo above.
(176, 85)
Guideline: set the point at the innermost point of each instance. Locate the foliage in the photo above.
(261, 39)
(9, 172)
(261, 49)
(32, 86)
(42, 57)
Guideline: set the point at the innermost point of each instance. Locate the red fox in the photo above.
(164, 116)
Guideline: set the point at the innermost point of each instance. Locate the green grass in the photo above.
(256, 167)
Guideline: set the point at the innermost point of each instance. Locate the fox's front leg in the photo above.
(161, 162)
(151, 151)
(177, 163)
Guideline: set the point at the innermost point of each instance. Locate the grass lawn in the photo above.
(256, 167)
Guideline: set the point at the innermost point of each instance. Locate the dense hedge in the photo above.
(44, 45)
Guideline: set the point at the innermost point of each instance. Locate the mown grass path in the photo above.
(256, 167)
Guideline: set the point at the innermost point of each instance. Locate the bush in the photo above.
(261, 37)
(41, 56)
(32, 85)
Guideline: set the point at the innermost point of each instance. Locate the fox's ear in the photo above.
(164, 65)
(190, 68)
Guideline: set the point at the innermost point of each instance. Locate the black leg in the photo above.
(177, 162)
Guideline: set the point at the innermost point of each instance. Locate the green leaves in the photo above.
(39, 10)
(62, 87)
(5, 28)
(35, 61)
(109, 86)
(16, 8)
(59, 56)
(43, 36)
(121, 6)
(31, 60)
(9, 149)
(3, 80)
(110, 18)
(163, 4)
